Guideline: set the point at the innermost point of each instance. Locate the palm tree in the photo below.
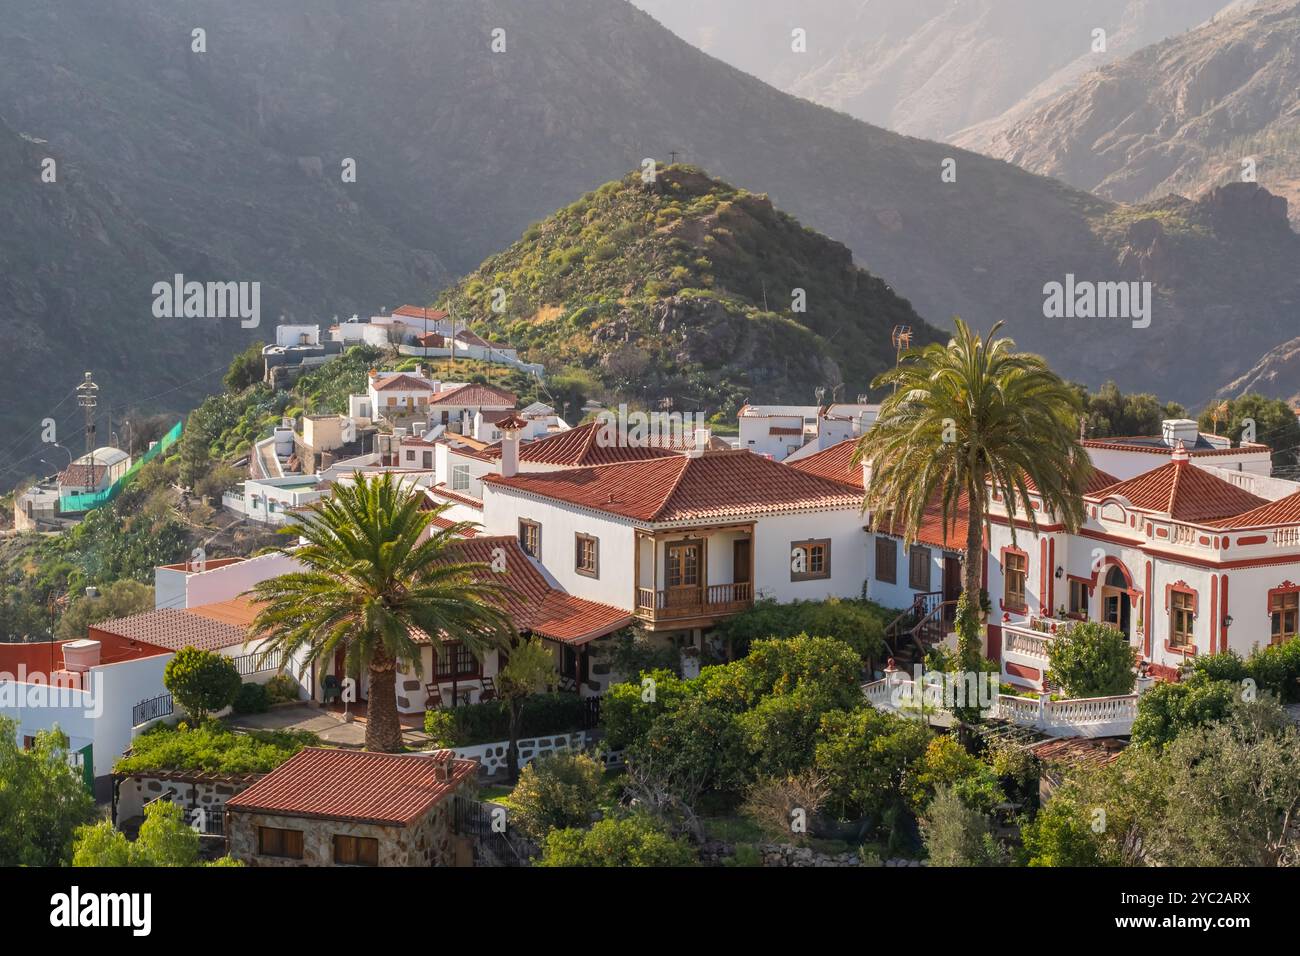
(372, 581)
(962, 417)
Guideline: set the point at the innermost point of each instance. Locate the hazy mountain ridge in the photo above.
(232, 159)
(1180, 116)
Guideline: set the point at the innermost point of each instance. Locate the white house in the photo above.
(94, 471)
(86, 688)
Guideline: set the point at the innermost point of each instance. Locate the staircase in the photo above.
(910, 636)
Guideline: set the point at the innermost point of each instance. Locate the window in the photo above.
(460, 478)
(530, 538)
(682, 565)
(273, 841)
(428, 460)
(918, 569)
(1182, 611)
(1079, 597)
(457, 660)
(887, 560)
(586, 555)
(1282, 608)
(1015, 568)
(810, 560)
(355, 850)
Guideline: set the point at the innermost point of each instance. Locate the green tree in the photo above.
(43, 800)
(961, 418)
(1111, 413)
(201, 682)
(1274, 424)
(1091, 659)
(630, 841)
(378, 573)
(555, 792)
(247, 368)
(119, 599)
(946, 763)
(867, 756)
(164, 840)
(958, 835)
(530, 670)
(1168, 710)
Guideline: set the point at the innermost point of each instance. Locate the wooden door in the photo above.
(682, 574)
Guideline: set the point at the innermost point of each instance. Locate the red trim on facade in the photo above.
(1051, 575)
(1223, 613)
(1146, 617)
(1214, 613)
(995, 642)
(1020, 670)
(1163, 672)
(1253, 539)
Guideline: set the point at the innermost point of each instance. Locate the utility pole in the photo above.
(87, 399)
(672, 157)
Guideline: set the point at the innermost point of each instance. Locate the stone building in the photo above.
(352, 808)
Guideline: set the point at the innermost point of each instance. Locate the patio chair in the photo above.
(331, 689)
(489, 691)
(433, 697)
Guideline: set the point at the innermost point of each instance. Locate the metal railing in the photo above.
(152, 709)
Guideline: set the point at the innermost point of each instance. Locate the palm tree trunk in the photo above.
(971, 572)
(383, 732)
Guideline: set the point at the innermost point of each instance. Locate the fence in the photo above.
(152, 709)
(258, 662)
(93, 499)
(489, 824)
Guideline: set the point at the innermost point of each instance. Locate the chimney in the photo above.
(510, 427)
(1180, 455)
(702, 439)
(1175, 430)
(443, 764)
(80, 656)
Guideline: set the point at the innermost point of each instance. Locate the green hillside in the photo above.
(688, 288)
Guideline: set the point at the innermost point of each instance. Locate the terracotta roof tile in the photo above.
(1183, 492)
(420, 312)
(402, 381)
(354, 785)
(1283, 511)
(474, 395)
(683, 488)
(174, 629)
(834, 463)
(536, 606)
(581, 447)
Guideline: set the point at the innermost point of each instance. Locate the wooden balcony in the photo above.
(692, 606)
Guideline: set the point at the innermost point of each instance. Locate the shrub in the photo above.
(866, 756)
(957, 835)
(251, 699)
(213, 748)
(202, 682)
(1167, 709)
(557, 791)
(489, 722)
(281, 688)
(1091, 659)
(630, 841)
(784, 807)
(947, 764)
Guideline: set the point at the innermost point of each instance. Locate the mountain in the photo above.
(687, 286)
(1276, 375)
(925, 67)
(229, 160)
(1180, 116)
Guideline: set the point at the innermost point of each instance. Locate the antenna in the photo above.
(87, 399)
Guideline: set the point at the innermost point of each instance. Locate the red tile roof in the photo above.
(420, 312)
(442, 491)
(208, 629)
(1183, 492)
(531, 601)
(835, 463)
(683, 487)
(473, 394)
(1096, 482)
(1283, 511)
(402, 381)
(582, 447)
(932, 531)
(1153, 447)
(353, 785)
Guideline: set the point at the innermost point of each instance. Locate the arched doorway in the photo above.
(1116, 600)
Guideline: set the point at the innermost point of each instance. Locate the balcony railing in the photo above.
(684, 603)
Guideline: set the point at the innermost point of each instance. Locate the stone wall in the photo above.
(428, 842)
(208, 793)
(785, 854)
(492, 757)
